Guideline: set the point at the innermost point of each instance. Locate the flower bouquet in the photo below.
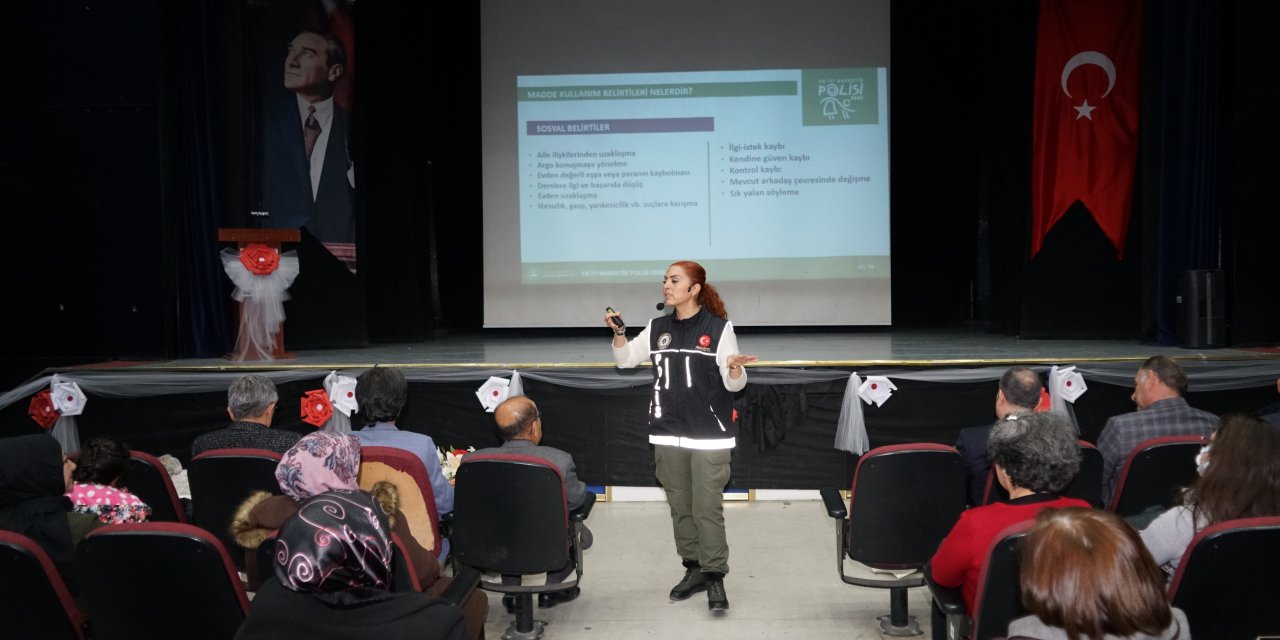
(450, 458)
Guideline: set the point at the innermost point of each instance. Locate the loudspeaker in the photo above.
(1201, 309)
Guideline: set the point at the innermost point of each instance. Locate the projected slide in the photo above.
(761, 175)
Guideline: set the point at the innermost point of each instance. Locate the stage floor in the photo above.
(924, 348)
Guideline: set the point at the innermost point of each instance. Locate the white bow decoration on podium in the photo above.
(877, 389)
(263, 294)
(342, 395)
(493, 392)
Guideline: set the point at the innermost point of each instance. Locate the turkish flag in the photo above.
(1085, 136)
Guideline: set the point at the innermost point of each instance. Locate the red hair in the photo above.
(707, 295)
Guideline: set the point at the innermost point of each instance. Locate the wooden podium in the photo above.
(272, 238)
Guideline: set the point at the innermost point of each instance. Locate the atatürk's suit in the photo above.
(284, 177)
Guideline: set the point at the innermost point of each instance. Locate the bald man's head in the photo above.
(517, 419)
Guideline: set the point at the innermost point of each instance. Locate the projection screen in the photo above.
(749, 136)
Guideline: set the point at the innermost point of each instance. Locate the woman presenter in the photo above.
(696, 369)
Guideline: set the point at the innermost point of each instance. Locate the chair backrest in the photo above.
(1226, 579)
(159, 580)
(1087, 485)
(147, 478)
(1153, 472)
(904, 500)
(417, 500)
(221, 479)
(509, 515)
(403, 577)
(34, 601)
(999, 600)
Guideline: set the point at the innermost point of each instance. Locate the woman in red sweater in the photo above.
(1035, 457)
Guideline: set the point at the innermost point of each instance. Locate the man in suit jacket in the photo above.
(1157, 391)
(1018, 395)
(520, 425)
(307, 178)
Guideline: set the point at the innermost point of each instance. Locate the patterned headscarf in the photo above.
(322, 461)
(337, 541)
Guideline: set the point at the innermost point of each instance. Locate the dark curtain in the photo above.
(1183, 137)
(1009, 44)
(1250, 127)
(203, 291)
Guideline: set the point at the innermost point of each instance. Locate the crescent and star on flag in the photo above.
(1098, 59)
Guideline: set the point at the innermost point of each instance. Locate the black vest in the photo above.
(689, 398)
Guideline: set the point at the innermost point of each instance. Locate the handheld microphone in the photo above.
(616, 321)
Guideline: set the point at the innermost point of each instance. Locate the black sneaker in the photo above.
(509, 603)
(694, 581)
(553, 598)
(717, 599)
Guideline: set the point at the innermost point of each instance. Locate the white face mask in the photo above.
(1202, 459)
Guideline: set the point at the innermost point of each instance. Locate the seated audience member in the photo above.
(1157, 390)
(97, 488)
(1035, 458)
(381, 394)
(520, 425)
(326, 461)
(251, 403)
(332, 567)
(1239, 478)
(34, 477)
(1271, 412)
(1018, 395)
(1085, 574)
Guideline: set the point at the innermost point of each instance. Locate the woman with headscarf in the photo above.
(34, 475)
(326, 461)
(332, 567)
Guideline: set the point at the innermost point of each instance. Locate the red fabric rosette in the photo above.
(259, 259)
(316, 407)
(42, 410)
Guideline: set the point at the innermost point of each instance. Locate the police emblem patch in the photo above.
(664, 341)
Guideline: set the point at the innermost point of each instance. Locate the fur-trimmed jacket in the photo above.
(261, 514)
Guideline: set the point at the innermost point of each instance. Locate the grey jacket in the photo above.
(1032, 627)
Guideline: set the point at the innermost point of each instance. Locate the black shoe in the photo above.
(509, 603)
(553, 598)
(694, 581)
(717, 599)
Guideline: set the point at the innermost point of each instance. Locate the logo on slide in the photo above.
(664, 341)
(840, 96)
(704, 341)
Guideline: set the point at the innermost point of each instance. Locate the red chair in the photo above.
(221, 479)
(1153, 472)
(1227, 577)
(999, 600)
(903, 502)
(147, 478)
(510, 517)
(1086, 486)
(159, 580)
(34, 601)
(417, 500)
